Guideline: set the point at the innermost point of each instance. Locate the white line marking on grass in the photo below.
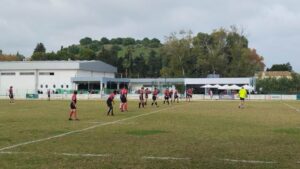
(81, 130)
(249, 161)
(83, 155)
(10, 152)
(292, 107)
(63, 154)
(164, 158)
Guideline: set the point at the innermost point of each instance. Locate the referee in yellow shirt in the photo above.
(243, 95)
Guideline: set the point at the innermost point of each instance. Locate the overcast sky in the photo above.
(272, 26)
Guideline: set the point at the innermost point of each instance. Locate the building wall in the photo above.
(30, 81)
(22, 81)
(83, 73)
(60, 79)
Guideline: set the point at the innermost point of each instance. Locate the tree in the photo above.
(281, 67)
(128, 41)
(87, 54)
(40, 48)
(139, 66)
(225, 52)
(154, 64)
(177, 49)
(19, 56)
(104, 40)
(39, 52)
(85, 41)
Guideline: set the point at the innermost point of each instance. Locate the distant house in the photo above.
(274, 74)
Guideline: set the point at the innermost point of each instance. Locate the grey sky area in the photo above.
(271, 26)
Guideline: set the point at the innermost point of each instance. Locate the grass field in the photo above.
(207, 134)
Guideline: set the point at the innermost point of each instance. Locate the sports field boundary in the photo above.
(291, 107)
(85, 129)
(249, 161)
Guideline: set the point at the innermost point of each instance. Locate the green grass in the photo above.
(203, 134)
(145, 132)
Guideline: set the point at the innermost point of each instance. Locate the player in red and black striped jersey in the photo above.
(73, 106)
(176, 96)
(189, 94)
(11, 94)
(110, 101)
(141, 97)
(171, 95)
(154, 96)
(167, 95)
(147, 92)
(123, 98)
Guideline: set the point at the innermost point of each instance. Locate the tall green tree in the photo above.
(85, 41)
(40, 48)
(178, 48)
(39, 52)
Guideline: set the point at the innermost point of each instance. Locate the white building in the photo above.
(34, 76)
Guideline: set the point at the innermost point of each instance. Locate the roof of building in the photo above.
(99, 79)
(96, 66)
(155, 81)
(244, 80)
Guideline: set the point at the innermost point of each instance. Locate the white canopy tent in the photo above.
(216, 86)
(247, 87)
(225, 87)
(207, 86)
(234, 87)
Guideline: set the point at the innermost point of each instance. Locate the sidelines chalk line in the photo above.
(85, 129)
(83, 155)
(165, 158)
(292, 107)
(64, 154)
(250, 161)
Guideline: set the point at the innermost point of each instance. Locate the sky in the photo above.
(271, 26)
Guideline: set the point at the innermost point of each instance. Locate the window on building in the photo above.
(54, 86)
(46, 86)
(47, 73)
(67, 86)
(41, 86)
(62, 86)
(26, 73)
(8, 73)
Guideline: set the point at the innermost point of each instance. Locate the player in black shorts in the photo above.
(154, 97)
(123, 98)
(147, 92)
(176, 96)
(167, 95)
(171, 95)
(110, 101)
(73, 107)
(11, 94)
(141, 97)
